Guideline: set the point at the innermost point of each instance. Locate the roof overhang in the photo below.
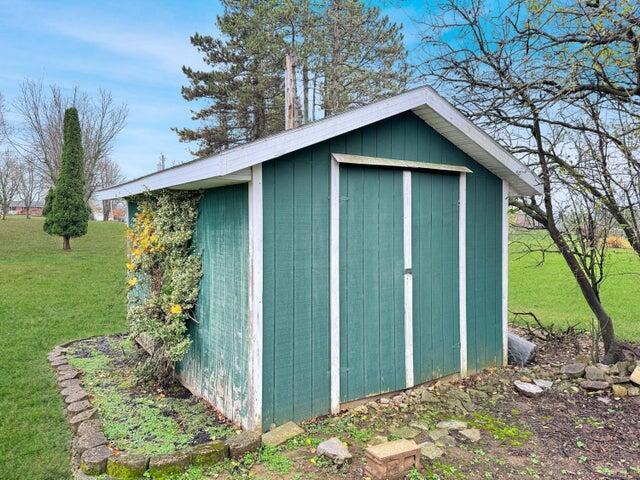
(233, 165)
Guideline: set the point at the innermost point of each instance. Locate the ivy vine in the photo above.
(163, 277)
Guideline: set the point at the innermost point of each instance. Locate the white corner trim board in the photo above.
(505, 272)
(254, 420)
(408, 278)
(334, 283)
(462, 266)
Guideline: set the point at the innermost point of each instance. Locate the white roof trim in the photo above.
(425, 102)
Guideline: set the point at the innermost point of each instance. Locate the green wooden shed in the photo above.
(357, 255)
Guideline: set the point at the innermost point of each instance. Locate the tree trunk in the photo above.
(28, 213)
(106, 210)
(66, 244)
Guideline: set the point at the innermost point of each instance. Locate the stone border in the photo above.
(91, 454)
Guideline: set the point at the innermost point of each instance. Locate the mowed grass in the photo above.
(549, 290)
(47, 297)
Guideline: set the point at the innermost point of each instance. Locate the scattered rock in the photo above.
(127, 466)
(76, 420)
(78, 407)
(281, 434)
(58, 361)
(385, 401)
(573, 370)
(594, 385)
(76, 396)
(619, 390)
(623, 367)
(404, 432)
(377, 440)
(593, 372)
(89, 426)
(446, 441)
(209, 453)
(528, 389)
(438, 433)
(471, 434)
(633, 391)
(168, 466)
(452, 425)
(90, 440)
(72, 389)
(419, 426)
(94, 460)
(67, 375)
(430, 451)
(613, 380)
(243, 442)
(543, 384)
(335, 450)
(635, 376)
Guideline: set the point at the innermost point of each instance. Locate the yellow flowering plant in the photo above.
(163, 275)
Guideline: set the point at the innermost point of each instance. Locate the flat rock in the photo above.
(65, 368)
(438, 433)
(377, 440)
(74, 382)
(89, 426)
(635, 376)
(446, 441)
(573, 370)
(419, 426)
(528, 389)
(633, 391)
(90, 440)
(94, 460)
(168, 466)
(404, 432)
(77, 407)
(281, 434)
(127, 466)
(614, 379)
(544, 384)
(594, 385)
(452, 425)
(58, 361)
(471, 434)
(593, 372)
(243, 442)
(71, 390)
(430, 451)
(335, 450)
(76, 396)
(76, 420)
(67, 375)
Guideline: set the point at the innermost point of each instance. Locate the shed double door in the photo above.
(373, 274)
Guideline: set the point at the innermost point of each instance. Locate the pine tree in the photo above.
(346, 54)
(66, 212)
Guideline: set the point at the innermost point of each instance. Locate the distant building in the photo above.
(19, 208)
(118, 212)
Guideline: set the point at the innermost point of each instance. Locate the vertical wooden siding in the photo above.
(296, 371)
(216, 366)
(371, 282)
(436, 332)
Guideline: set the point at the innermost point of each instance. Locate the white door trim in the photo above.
(334, 285)
(505, 272)
(408, 278)
(462, 269)
(255, 329)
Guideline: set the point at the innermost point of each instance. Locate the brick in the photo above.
(392, 460)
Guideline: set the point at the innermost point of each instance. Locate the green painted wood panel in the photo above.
(296, 262)
(132, 208)
(216, 366)
(436, 321)
(296, 363)
(371, 282)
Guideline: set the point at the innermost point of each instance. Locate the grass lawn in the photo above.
(550, 292)
(48, 297)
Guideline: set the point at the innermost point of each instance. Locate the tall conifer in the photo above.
(66, 212)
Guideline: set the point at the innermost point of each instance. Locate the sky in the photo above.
(134, 49)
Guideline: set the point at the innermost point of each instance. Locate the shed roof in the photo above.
(233, 165)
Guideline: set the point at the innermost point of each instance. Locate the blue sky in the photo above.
(135, 49)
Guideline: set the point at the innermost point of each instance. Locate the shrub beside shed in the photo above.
(361, 254)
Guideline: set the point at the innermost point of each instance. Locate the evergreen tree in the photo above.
(346, 54)
(66, 213)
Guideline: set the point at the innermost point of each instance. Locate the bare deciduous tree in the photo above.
(532, 85)
(29, 186)
(109, 175)
(38, 137)
(9, 182)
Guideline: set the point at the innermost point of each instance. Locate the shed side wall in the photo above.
(296, 359)
(216, 366)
